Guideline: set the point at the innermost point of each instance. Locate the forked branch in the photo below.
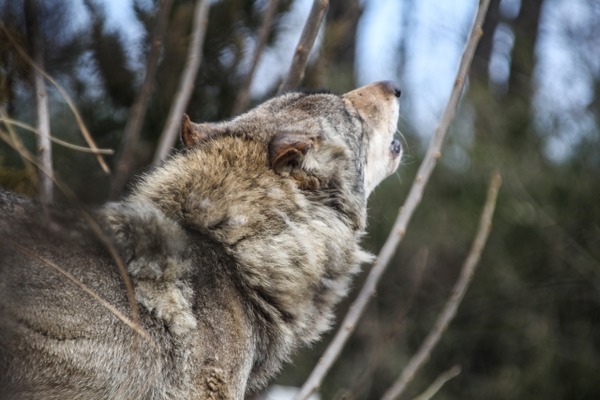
(458, 293)
(84, 131)
(307, 40)
(404, 216)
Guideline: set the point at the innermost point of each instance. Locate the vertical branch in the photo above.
(44, 147)
(186, 84)
(306, 43)
(241, 102)
(404, 216)
(458, 293)
(138, 110)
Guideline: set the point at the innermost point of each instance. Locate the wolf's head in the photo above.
(283, 190)
(337, 148)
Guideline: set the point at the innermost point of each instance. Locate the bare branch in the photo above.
(307, 40)
(15, 142)
(135, 327)
(10, 121)
(186, 84)
(458, 292)
(84, 131)
(94, 226)
(438, 383)
(82, 127)
(405, 214)
(138, 110)
(44, 147)
(241, 102)
(384, 343)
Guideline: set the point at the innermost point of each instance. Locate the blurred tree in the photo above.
(117, 78)
(334, 67)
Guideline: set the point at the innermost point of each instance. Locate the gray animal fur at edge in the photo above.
(238, 248)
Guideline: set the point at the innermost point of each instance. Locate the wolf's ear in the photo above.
(287, 149)
(192, 133)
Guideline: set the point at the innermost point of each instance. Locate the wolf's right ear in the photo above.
(192, 133)
(287, 149)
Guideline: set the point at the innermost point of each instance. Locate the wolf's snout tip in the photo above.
(391, 87)
(396, 147)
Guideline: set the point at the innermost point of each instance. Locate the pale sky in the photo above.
(437, 34)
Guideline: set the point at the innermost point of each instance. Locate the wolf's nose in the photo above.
(392, 88)
(396, 147)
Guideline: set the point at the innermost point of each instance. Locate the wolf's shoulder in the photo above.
(26, 219)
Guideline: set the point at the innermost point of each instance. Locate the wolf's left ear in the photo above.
(287, 149)
(192, 133)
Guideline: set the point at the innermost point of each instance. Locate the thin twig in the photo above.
(458, 292)
(438, 383)
(94, 226)
(84, 131)
(383, 344)
(138, 110)
(307, 40)
(241, 102)
(10, 121)
(15, 142)
(135, 327)
(405, 214)
(44, 147)
(186, 84)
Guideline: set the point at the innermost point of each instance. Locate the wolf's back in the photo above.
(47, 256)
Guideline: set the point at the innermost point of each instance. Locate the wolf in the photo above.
(220, 263)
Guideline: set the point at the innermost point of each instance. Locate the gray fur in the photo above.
(238, 249)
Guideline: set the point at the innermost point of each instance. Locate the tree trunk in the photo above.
(137, 112)
(44, 149)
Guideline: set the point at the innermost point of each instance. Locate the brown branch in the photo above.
(438, 383)
(458, 292)
(241, 102)
(138, 110)
(29, 253)
(94, 226)
(400, 225)
(186, 84)
(82, 127)
(15, 142)
(10, 121)
(307, 40)
(44, 147)
(84, 131)
(383, 344)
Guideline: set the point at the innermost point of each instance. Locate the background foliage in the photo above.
(529, 326)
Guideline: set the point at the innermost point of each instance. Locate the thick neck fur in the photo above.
(295, 256)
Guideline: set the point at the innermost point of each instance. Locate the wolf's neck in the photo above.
(295, 256)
